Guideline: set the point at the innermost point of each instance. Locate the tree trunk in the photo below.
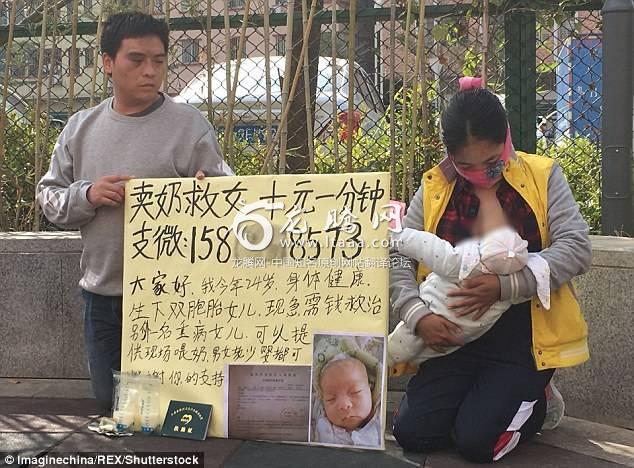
(297, 159)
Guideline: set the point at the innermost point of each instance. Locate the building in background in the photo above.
(452, 43)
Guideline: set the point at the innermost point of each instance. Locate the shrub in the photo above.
(580, 159)
(17, 177)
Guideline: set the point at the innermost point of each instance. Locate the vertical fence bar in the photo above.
(225, 143)
(420, 58)
(513, 78)
(310, 133)
(335, 104)
(95, 62)
(267, 72)
(288, 59)
(210, 67)
(521, 103)
(234, 86)
(529, 82)
(4, 224)
(408, 23)
(351, 81)
(166, 85)
(392, 46)
(73, 59)
(485, 43)
(38, 112)
(617, 213)
(104, 86)
(50, 80)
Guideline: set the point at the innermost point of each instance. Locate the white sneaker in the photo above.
(555, 407)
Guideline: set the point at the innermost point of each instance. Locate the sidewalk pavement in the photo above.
(39, 417)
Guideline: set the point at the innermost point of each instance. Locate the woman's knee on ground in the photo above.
(411, 435)
(473, 444)
(414, 441)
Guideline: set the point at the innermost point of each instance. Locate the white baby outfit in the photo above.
(501, 252)
(366, 436)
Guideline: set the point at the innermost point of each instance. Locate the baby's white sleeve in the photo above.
(541, 270)
(435, 253)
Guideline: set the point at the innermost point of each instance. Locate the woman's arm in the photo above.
(435, 330)
(404, 295)
(570, 251)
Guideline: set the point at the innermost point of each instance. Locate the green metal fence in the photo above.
(542, 59)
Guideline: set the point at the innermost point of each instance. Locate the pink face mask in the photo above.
(492, 173)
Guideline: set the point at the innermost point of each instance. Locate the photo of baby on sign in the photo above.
(346, 390)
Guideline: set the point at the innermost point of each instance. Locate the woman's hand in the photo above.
(478, 295)
(438, 332)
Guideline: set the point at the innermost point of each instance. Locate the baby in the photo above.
(501, 252)
(347, 410)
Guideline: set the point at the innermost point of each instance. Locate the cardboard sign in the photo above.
(244, 270)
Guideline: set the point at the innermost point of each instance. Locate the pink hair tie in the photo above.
(469, 82)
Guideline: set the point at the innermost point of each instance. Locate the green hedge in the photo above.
(579, 158)
(17, 175)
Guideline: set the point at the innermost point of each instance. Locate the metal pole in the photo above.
(521, 104)
(617, 213)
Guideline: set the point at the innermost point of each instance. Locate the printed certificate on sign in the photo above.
(268, 402)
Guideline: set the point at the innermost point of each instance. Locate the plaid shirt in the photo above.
(462, 209)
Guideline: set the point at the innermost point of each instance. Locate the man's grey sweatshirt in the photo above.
(569, 253)
(174, 140)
